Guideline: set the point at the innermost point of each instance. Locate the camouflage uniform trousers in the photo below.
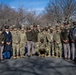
(52, 49)
(15, 49)
(1, 51)
(40, 51)
(58, 50)
(46, 50)
(22, 49)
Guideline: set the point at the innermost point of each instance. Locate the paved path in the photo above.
(37, 66)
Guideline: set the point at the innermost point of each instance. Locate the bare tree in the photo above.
(10, 16)
(60, 10)
(68, 8)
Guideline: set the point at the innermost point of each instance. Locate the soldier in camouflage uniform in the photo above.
(31, 27)
(57, 42)
(15, 43)
(45, 34)
(40, 35)
(1, 44)
(50, 39)
(54, 30)
(23, 41)
(38, 28)
(42, 49)
(61, 27)
(11, 29)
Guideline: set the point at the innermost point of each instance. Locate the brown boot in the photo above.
(53, 56)
(56, 57)
(48, 56)
(22, 56)
(14, 57)
(60, 56)
(18, 57)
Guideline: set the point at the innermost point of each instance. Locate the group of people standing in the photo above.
(58, 41)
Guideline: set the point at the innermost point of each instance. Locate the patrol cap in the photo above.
(34, 26)
(14, 25)
(41, 29)
(28, 28)
(38, 25)
(61, 27)
(57, 27)
(45, 28)
(57, 24)
(51, 28)
(22, 29)
(31, 25)
(66, 23)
